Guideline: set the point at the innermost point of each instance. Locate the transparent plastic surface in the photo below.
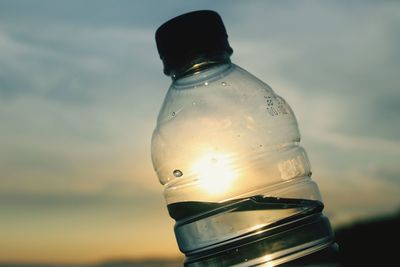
(226, 148)
(223, 134)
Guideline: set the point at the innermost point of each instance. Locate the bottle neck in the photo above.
(201, 63)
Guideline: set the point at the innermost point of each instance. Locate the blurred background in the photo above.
(81, 84)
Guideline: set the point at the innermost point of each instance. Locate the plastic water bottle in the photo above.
(226, 148)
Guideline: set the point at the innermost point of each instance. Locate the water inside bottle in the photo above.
(203, 225)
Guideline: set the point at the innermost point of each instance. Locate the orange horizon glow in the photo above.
(89, 253)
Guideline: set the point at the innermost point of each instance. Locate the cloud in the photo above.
(335, 63)
(83, 87)
(337, 66)
(77, 108)
(75, 64)
(49, 147)
(359, 196)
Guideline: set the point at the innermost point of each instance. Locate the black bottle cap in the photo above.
(190, 36)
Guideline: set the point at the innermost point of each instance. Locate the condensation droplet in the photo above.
(223, 84)
(194, 103)
(173, 114)
(177, 173)
(206, 83)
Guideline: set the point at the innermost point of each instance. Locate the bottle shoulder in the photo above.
(224, 91)
(217, 74)
(203, 77)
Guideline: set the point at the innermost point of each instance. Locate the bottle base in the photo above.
(273, 246)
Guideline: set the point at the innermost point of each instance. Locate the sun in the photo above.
(215, 172)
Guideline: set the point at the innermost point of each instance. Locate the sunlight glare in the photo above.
(215, 172)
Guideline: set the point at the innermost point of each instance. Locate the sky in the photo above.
(81, 84)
